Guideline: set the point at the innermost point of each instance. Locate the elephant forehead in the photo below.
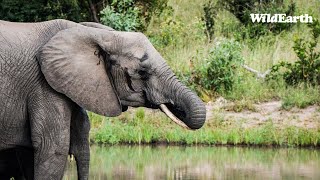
(131, 39)
(138, 52)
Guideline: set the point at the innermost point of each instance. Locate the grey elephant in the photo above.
(51, 71)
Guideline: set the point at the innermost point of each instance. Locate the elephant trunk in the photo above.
(185, 105)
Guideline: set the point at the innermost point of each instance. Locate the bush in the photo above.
(131, 15)
(43, 10)
(171, 31)
(254, 30)
(121, 15)
(151, 9)
(242, 10)
(219, 71)
(307, 68)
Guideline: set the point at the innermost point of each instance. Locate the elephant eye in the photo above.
(144, 57)
(143, 74)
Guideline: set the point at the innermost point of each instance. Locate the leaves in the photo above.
(307, 68)
(42, 10)
(219, 72)
(122, 17)
(131, 15)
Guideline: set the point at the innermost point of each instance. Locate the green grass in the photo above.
(254, 90)
(154, 127)
(300, 97)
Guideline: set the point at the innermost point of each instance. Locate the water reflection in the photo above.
(162, 162)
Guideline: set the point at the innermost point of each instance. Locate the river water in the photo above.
(176, 162)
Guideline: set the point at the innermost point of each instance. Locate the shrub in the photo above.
(42, 10)
(307, 68)
(219, 71)
(242, 10)
(121, 15)
(171, 31)
(131, 15)
(254, 30)
(150, 9)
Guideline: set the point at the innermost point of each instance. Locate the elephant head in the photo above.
(106, 71)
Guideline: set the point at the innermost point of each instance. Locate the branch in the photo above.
(257, 73)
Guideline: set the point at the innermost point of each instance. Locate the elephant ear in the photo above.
(72, 64)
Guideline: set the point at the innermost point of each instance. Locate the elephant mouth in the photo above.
(124, 108)
(174, 114)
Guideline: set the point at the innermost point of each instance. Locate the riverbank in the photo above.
(264, 124)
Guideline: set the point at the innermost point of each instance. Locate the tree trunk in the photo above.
(93, 11)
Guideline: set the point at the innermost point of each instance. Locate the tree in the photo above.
(42, 10)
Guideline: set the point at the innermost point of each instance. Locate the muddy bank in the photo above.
(257, 114)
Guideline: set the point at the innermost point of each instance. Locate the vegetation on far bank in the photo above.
(145, 127)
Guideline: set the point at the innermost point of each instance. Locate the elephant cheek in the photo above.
(134, 100)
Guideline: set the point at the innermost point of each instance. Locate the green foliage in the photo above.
(210, 13)
(251, 90)
(242, 10)
(127, 15)
(131, 15)
(172, 32)
(42, 10)
(121, 15)
(307, 68)
(300, 96)
(219, 71)
(255, 30)
(151, 9)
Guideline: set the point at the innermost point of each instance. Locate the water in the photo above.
(173, 162)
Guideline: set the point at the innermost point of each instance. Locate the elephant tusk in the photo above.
(165, 109)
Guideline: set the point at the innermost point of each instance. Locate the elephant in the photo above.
(18, 162)
(52, 72)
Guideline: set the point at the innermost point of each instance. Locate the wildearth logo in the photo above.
(280, 18)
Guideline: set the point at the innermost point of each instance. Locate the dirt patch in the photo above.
(308, 117)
